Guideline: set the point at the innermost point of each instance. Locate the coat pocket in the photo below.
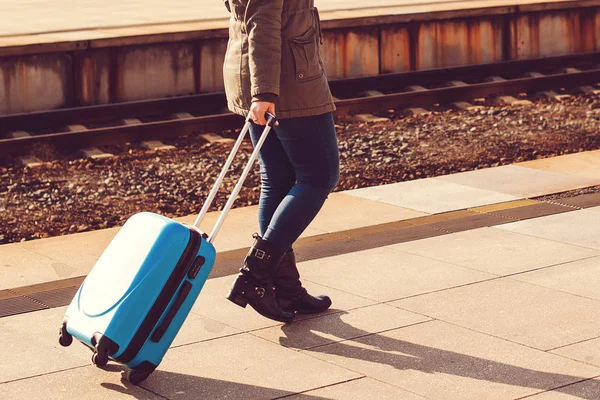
(305, 49)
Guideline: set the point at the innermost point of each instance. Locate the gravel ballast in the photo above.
(78, 195)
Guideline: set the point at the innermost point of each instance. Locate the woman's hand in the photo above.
(258, 110)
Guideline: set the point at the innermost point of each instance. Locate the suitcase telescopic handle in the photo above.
(271, 119)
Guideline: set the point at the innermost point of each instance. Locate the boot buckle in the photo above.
(260, 254)
(260, 291)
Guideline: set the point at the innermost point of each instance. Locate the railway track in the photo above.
(134, 122)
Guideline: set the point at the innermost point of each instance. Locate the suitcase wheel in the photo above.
(64, 338)
(100, 358)
(137, 376)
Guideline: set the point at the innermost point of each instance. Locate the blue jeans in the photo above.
(299, 167)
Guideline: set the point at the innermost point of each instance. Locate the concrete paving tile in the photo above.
(430, 195)
(22, 267)
(240, 367)
(443, 361)
(80, 251)
(535, 316)
(197, 328)
(495, 251)
(30, 346)
(46, 323)
(585, 164)
(580, 277)
(359, 389)
(587, 389)
(236, 231)
(343, 212)
(88, 383)
(230, 237)
(581, 228)
(519, 181)
(386, 274)
(340, 300)
(24, 356)
(587, 351)
(336, 327)
(212, 304)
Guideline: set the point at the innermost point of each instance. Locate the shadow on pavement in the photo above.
(385, 350)
(396, 353)
(172, 385)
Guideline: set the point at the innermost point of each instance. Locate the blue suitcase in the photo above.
(138, 294)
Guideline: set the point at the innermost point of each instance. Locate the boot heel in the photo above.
(237, 300)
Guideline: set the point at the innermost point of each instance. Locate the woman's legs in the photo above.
(299, 165)
(299, 168)
(276, 173)
(305, 148)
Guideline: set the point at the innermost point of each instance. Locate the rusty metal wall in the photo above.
(92, 77)
(144, 72)
(127, 71)
(38, 82)
(439, 44)
(152, 72)
(351, 53)
(556, 32)
(210, 70)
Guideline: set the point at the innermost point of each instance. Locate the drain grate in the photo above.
(60, 293)
(18, 305)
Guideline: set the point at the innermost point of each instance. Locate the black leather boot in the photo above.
(254, 284)
(291, 296)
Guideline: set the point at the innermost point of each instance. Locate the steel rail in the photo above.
(463, 93)
(350, 88)
(121, 134)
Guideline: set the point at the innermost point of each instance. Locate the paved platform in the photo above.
(38, 21)
(506, 310)
(39, 16)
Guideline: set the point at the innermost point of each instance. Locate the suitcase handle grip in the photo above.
(162, 329)
(271, 119)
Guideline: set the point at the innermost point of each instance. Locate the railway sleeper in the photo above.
(552, 95)
(95, 153)
(587, 89)
(511, 101)
(156, 145)
(30, 161)
(370, 118)
(464, 105)
(416, 111)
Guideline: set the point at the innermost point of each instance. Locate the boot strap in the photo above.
(260, 254)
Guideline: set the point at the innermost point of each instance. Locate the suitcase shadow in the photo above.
(191, 387)
(361, 345)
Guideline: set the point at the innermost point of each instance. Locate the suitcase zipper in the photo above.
(163, 300)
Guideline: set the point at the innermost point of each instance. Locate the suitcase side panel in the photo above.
(161, 251)
(166, 288)
(154, 352)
